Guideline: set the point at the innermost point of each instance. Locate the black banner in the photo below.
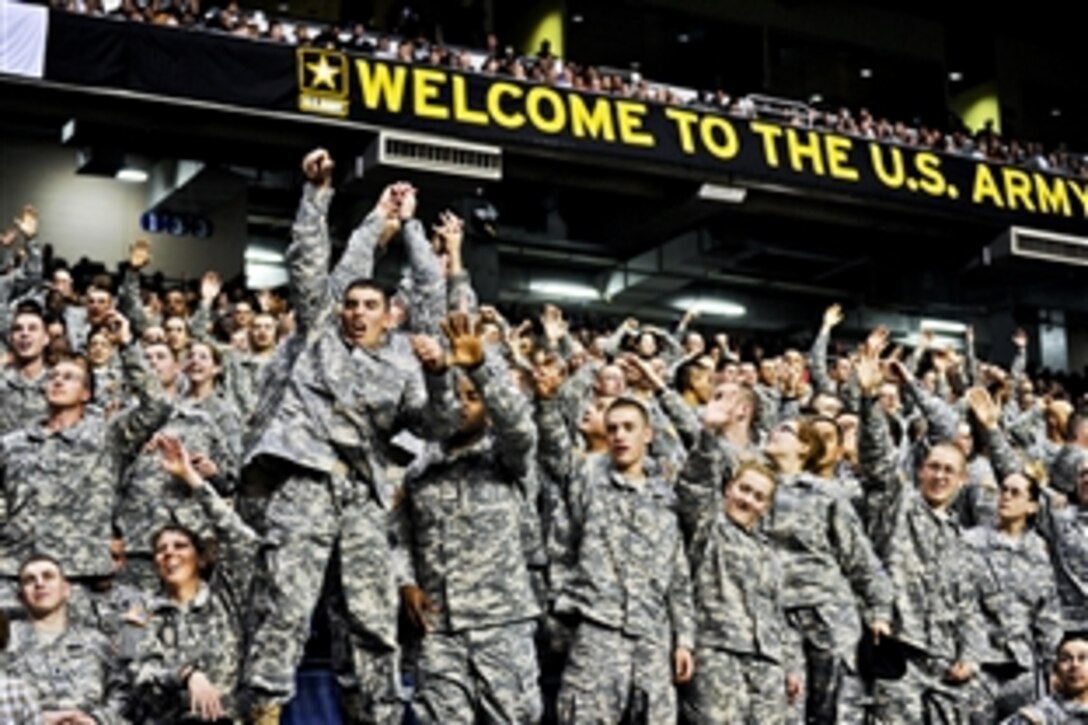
(509, 113)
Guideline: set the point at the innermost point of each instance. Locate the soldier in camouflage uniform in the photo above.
(936, 611)
(71, 669)
(630, 590)
(22, 384)
(834, 580)
(1016, 585)
(1068, 703)
(59, 476)
(467, 584)
(748, 658)
(188, 649)
(334, 396)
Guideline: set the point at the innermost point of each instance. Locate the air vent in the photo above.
(436, 154)
(1048, 246)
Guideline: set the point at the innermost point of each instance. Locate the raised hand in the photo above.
(983, 406)
(1020, 338)
(176, 460)
(318, 166)
(466, 345)
(868, 370)
(554, 324)
(27, 221)
(139, 254)
(210, 286)
(429, 352)
(833, 316)
(548, 377)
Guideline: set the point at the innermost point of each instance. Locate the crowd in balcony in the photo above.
(404, 43)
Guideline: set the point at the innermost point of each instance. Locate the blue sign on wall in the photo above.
(176, 225)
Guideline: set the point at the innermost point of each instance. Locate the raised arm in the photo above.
(817, 354)
(427, 299)
(130, 430)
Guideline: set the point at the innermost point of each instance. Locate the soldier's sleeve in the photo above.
(461, 295)
(681, 415)
(31, 273)
(130, 430)
(230, 528)
(308, 257)
(612, 343)
(429, 405)
(970, 368)
(877, 455)
(817, 362)
(681, 601)
(1004, 459)
(914, 360)
(1019, 366)
(941, 417)
(971, 638)
(427, 300)
(699, 486)
(1047, 625)
(358, 258)
(511, 417)
(129, 303)
(672, 351)
(201, 322)
(569, 523)
(554, 446)
(111, 710)
(859, 562)
(237, 563)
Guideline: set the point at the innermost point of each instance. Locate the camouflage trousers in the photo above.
(611, 677)
(922, 695)
(736, 689)
(309, 516)
(829, 640)
(479, 675)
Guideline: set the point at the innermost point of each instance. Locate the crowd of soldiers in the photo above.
(521, 524)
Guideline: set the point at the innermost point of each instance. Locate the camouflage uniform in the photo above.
(936, 610)
(320, 439)
(22, 401)
(205, 634)
(462, 518)
(833, 581)
(72, 671)
(631, 589)
(744, 647)
(1019, 602)
(59, 488)
(152, 498)
(1051, 710)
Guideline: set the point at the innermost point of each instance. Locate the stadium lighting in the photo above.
(576, 18)
(955, 76)
(131, 175)
(816, 98)
(866, 72)
(951, 326)
(566, 290)
(723, 193)
(711, 306)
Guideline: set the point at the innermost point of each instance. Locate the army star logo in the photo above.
(323, 82)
